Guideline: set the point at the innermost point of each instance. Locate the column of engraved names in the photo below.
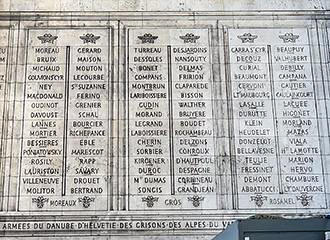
(87, 152)
(42, 144)
(253, 116)
(193, 144)
(65, 139)
(149, 118)
(4, 35)
(301, 164)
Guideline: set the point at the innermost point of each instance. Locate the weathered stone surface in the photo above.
(160, 124)
(153, 5)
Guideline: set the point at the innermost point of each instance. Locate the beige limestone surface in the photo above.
(161, 119)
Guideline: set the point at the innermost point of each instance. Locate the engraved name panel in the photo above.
(171, 146)
(277, 145)
(65, 157)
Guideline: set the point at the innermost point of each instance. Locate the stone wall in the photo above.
(161, 123)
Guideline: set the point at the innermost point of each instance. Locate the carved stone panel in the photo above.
(65, 137)
(171, 155)
(277, 148)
